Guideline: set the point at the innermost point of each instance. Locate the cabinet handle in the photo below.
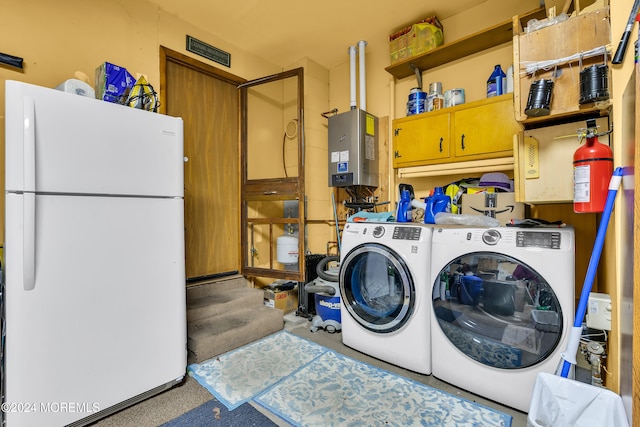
(396, 131)
(441, 139)
(462, 141)
(396, 154)
(268, 193)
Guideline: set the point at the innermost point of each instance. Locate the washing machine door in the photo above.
(497, 310)
(376, 288)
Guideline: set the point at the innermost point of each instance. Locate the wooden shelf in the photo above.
(485, 39)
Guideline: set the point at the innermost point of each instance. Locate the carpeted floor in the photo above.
(213, 414)
(309, 385)
(191, 395)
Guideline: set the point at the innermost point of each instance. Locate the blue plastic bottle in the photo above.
(404, 207)
(438, 202)
(497, 82)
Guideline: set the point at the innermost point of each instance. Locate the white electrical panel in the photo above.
(599, 311)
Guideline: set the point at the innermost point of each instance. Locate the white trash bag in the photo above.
(563, 402)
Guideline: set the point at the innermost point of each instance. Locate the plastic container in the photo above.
(417, 102)
(438, 202)
(404, 207)
(470, 289)
(496, 84)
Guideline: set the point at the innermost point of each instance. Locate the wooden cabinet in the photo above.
(473, 131)
(421, 139)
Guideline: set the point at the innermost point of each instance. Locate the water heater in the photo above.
(353, 149)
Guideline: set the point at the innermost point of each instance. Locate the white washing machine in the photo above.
(502, 307)
(384, 287)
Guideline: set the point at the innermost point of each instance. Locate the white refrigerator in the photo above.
(94, 312)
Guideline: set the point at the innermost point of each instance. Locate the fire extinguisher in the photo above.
(592, 170)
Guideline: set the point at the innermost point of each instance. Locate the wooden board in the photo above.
(555, 42)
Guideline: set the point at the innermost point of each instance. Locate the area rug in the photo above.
(237, 376)
(335, 390)
(212, 414)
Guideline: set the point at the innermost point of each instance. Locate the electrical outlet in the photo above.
(599, 311)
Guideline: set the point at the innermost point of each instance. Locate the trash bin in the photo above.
(563, 402)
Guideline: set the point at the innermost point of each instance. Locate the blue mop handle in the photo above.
(595, 258)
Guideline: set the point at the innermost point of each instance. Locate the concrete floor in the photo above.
(172, 403)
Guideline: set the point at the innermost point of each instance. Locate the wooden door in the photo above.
(420, 140)
(486, 130)
(208, 102)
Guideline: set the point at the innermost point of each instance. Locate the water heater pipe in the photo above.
(363, 85)
(352, 76)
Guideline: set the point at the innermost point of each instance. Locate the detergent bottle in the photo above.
(436, 203)
(404, 207)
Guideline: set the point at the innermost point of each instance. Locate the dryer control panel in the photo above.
(538, 239)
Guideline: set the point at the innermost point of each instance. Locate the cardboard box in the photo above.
(286, 301)
(415, 39)
(113, 83)
(501, 206)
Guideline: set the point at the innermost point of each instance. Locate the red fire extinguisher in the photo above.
(592, 170)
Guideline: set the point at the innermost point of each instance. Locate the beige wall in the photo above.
(56, 39)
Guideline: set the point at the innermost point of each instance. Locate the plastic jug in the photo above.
(438, 202)
(496, 82)
(404, 207)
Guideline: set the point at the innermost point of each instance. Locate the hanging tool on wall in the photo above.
(624, 41)
(11, 60)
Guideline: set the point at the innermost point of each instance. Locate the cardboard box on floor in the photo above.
(501, 206)
(286, 301)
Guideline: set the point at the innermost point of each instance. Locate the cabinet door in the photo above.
(420, 140)
(485, 131)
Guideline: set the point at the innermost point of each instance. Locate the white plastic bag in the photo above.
(562, 402)
(445, 218)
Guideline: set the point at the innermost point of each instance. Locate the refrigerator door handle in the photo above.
(29, 145)
(29, 197)
(29, 241)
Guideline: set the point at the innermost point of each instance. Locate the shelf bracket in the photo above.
(418, 72)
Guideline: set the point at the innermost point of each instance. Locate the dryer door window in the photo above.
(376, 288)
(497, 310)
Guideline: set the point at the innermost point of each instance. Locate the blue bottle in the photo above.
(438, 202)
(404, 207)
(497, 82)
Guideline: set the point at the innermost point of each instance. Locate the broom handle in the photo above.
(595, 258)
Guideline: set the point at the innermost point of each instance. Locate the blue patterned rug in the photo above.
(237, 376)
(309, 385)
(337, 390)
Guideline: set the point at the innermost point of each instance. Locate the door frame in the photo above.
(167, 56)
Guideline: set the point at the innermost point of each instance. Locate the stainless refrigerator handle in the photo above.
(29, 197)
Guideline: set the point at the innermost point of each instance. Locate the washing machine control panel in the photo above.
(378, 231)
(406, 233)
(491, 237)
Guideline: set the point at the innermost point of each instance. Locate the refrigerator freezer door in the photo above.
(106, 318)
(58, 142)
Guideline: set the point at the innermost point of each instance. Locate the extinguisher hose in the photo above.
(569, 355)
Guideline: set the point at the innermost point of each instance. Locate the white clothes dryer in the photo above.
(384, 287)
(503, 304)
